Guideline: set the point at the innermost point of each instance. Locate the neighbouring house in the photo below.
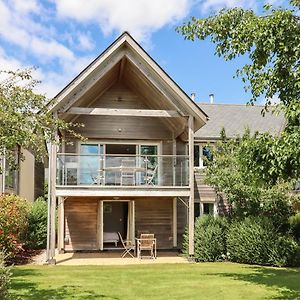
(27, 180)
(235, 119)
(134, 173)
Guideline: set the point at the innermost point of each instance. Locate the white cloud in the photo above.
(12, 30)
(85, 42)
(215, 5)
(139, 17)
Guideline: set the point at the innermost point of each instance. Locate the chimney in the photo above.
(193, 96)
(211, 98)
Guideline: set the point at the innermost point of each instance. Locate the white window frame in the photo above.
(215, 211)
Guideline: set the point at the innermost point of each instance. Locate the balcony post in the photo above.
(51, 234)
(191, 185)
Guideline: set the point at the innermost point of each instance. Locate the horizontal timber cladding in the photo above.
(81, 224)
(153, 215)
(121, 97)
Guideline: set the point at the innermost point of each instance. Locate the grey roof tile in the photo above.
(235, 118)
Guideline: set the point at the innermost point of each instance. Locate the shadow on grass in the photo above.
(26, 289)
(285, 281)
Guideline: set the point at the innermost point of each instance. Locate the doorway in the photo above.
(115, 216)
(115, 219)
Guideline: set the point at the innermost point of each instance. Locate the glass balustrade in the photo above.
(122, 170)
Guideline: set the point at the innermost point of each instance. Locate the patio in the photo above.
(114, 258)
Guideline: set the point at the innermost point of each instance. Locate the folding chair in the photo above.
(128, 246)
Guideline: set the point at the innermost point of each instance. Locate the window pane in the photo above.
(208, 208)
(207, 155)
(89, 163)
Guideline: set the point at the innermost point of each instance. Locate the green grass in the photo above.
(177, 281)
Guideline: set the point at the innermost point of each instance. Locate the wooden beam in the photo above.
(92, 191)
(174, 222)
(122, 67)
(79, 89)
(101, 225)
(123, 112)
(61, 225)
(191, 181)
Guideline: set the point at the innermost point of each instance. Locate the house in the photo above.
(27, 180)
(134, 172)
(235, 119)
(138, 168)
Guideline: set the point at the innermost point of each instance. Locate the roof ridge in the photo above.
(232, 104)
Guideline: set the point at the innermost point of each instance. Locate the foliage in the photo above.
(13, 223)
(210, 238)
(5, 276)
(232, 173)
(36, 234)
(272, 42)
(295, 225)
(25, 119)
(254, 240)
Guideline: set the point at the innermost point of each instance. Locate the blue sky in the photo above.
(61, 37)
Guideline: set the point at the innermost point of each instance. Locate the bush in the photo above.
(13, 223)
(5, 275)
(295, 225)
(36, 236)
(254, 240)
(210, 238)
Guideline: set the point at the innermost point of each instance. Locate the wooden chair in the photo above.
(147, 242)
(151, 176)
(127, 172)
(128, 246)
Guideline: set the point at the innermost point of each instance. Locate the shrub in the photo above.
(13, 223)
(210, 238)
(5, 275)
(36, 236)
(254, 240)
(295, 225)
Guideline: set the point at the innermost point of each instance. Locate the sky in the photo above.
(61, 37)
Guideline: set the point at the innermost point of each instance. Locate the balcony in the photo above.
(90, 170)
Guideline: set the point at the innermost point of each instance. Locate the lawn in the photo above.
(177, 281)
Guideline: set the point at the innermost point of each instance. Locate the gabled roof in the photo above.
(235, 118)
(126, 46)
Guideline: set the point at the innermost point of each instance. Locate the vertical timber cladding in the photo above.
(154, 215)
(81, 223)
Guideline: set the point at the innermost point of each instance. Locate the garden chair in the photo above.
(128, 246)
(151, 175)
(147, 242)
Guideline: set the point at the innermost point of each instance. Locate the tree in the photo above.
(25, 120)
(249, 194)
(272, 42)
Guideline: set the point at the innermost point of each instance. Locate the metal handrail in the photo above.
(122, 155)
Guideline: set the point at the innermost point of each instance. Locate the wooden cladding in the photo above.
(81, 224)
(154, 215)
(121, 98)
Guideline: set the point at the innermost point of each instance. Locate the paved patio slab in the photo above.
(114, 258)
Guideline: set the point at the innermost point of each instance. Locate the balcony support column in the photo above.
(191, 185)
(51, 234)
(61, 225)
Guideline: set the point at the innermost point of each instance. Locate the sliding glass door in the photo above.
(91, 163)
